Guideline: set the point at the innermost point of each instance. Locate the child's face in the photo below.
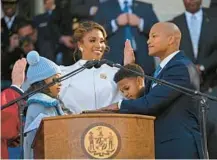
(130, 87)
(55, 89)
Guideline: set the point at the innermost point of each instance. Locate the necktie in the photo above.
(194, 34)
(157, 71)
(128, 34)
(9, 23)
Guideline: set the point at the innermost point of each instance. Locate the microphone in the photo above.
(105, 61)
(100, 63)
(91, 63)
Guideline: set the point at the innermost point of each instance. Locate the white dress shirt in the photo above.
(130, 3)
(9, 21)
(194, 22)
(90, 89)
(166, 60)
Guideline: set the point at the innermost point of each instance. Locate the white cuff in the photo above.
(114, 26)
(141, 24)
(119, 104)
(17, 87)
(202, 68)
(91, 12)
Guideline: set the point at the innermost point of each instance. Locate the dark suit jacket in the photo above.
(61, 24)
(213, 3)
(110, 10)
(211, 11)
(81, 8)
(207, 52)
(177, 133)
(6, 33)
(46, 43)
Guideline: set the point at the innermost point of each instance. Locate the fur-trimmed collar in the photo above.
(43, 99)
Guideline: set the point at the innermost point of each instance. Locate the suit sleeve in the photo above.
(211, 61)
(10, 116)
(102, 19)
(82, 9)
(160, 97)
(54, 24)
(149, 17)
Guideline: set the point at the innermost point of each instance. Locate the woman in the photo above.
(92, 88)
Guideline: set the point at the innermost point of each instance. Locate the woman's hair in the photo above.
(123, 73)
(83, 28)
(38, 85)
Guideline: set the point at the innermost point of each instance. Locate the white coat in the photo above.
(90, 89)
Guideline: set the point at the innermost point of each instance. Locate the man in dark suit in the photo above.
(8, 22)
(199, 40)
(128, 19)
(44, 33)
(177, 131)
(200, 47)
(9, 40)
(61, 28)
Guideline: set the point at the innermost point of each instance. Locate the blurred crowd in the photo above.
(51, 33)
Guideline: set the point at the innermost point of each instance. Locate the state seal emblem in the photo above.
(101, 141)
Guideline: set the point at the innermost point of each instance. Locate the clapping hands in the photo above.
(128, 19)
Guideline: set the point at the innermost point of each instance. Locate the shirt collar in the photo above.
(198, 14)
(7, 19)
(121, 2)
(167, 59)
(49, 12)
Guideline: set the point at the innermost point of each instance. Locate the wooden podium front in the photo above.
(121, 136)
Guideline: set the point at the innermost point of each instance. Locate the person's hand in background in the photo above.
(67, 41)
(122, 19)
(133, 20)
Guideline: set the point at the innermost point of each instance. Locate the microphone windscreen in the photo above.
(98, 64)
(90, 64)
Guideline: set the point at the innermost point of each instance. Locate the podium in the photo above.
(121, 136)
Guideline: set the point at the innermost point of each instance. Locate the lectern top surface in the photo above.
(102, 115)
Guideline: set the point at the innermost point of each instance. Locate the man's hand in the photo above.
(18, 72)
(198, 68)
(112, 107)
(93, 10)
(129, 56)
(122, 19)
(67, 41)
(200, 74)
(134, 20)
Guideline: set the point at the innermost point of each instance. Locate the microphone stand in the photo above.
(201, 96)
(21, 100)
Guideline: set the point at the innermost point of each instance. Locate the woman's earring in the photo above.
(81, 49)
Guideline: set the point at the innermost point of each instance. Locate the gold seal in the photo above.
(101, 141)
